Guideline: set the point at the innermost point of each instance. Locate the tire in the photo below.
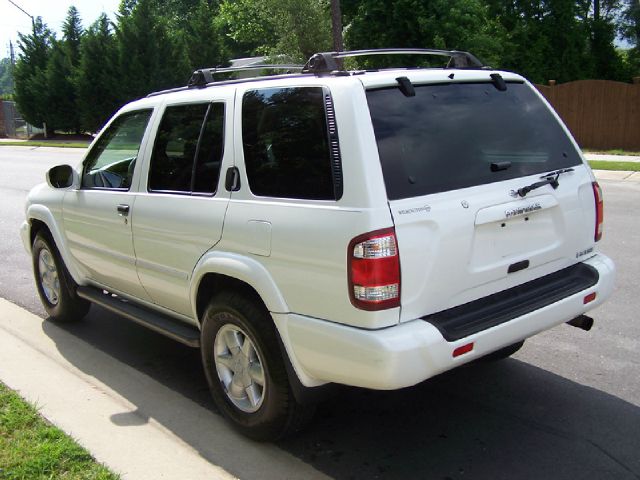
(503, 353)
(245, 369)
(56, 288)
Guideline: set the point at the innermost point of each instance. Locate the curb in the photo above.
(622, 176)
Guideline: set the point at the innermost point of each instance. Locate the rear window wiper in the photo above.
(550, 178)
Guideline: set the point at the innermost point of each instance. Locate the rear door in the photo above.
(180, 209)
(454, 157)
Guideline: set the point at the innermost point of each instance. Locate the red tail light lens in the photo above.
(597, 193)
(374, 270)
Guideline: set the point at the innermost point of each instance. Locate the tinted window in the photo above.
(111, 161)
(286, 143)
(447, 136)
(179, 163)
(210, 151)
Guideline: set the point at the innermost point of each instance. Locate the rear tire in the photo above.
(55, 286)
(245, 369)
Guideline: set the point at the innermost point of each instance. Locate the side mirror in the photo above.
(61, 176)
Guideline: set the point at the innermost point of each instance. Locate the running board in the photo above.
(162, 324)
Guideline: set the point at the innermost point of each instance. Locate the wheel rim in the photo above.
(49, 279)
(240, 368)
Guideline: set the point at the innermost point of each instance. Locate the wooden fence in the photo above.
(601, 114)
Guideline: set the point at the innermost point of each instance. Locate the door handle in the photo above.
(123, 209)
(232, 180)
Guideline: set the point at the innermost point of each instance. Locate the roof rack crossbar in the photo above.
(202, 77)
(325, 62)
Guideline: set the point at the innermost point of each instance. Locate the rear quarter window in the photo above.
(447, 136)
(286, 139)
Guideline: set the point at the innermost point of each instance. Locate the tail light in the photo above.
(374, 270)
(597, 193)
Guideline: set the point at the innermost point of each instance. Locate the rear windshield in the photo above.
(448, 136)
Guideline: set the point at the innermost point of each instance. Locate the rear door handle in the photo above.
(123, 209)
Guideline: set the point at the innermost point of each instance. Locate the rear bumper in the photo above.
(414, 351)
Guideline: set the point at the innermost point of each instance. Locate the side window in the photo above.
(285, 136)
(110, 162)
(188, 149)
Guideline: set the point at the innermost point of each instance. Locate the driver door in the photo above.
(97, 216)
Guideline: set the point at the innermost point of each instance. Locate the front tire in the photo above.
(56, 288)
(245, 369)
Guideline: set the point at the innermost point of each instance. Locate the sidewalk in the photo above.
(132, 423)
(611, 158)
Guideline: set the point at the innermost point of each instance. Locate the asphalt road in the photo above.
(566, 406)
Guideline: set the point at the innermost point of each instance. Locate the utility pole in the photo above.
(12, 56)
(336, 24)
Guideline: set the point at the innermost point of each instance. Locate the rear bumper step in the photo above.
(163, 324)
(487, 312)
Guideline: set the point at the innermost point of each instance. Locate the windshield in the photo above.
(458, 135)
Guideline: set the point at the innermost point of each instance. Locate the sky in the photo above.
(53, 13)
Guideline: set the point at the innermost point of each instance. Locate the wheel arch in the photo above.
(40, 218)
(217, 271)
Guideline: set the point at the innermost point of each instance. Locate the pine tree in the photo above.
(60, 99)
(61, 75)
(72, 35)
(149, 58)
(30, 73)
(97, 81)
(202, 37)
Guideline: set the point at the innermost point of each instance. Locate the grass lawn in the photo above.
(627, 166)
(33, 449)
(613, 152)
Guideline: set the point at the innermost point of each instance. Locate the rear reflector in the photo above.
(589, 298)
(374, 270)
(463, 349)
(597, 193)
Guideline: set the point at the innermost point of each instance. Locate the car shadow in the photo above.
(501, 420)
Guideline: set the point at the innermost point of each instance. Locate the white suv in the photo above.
(366, 228)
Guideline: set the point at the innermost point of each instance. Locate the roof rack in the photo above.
(321, 63)
(202, 77)
(327, 62)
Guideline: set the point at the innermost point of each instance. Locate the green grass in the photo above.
(605, 165)
(45, 143)
(33, 449)
(613, 152)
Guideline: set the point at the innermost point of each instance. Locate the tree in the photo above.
(443, 24)
(6, 77)
(630, 30)
(72, 36)
(60, 98)
(30, 72)
(202, 37)
(248, 26)
(294, 28)
(61, 76)
(97, 80)
(149, 58)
